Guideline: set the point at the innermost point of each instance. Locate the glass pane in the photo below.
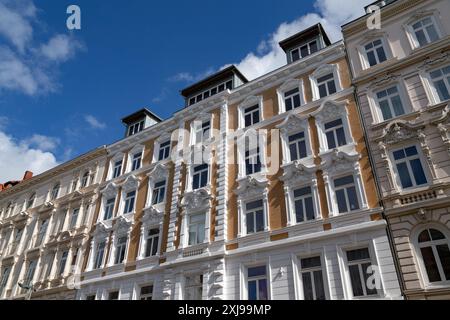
(430, 264)
(352, 198)
(419, 174)
(421, 38)
(381, 54)
(288, 103)
(333, 124)
(343, 181)
(260, 221)
(248, 120)
(309, 209)
(295, 55)
(365, 268)
(304, 51)
(252, 290)
(250, 223)
(342, 205)
(256, 271)
(330, 140)
(397, 105)
(442, 90)
(313, 47)
(331, 87)
(432, 34)
(371, 58)
(323, 90)
(256, 117)
(312, 262)
(302, 192)
(403, 172)
(424, 236)
(318, 284)
(444, 256)
(293, 150)
(358, 254)
(262, 284)
(356, 281)
(299, 214)
(399, 154)
(411, 151)
(436, 235)
(385, 109)
(340, 133)
(297, 101)
(254, 205)
(307, 286)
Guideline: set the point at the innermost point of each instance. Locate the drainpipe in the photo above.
(378, 188)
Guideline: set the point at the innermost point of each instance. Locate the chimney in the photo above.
(27, 175)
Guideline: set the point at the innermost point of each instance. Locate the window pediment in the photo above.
(290, 84)
(330, 110)
(130, 183)
(371, 35)
(339, 161)
(384, 81)
(152, 216)
(160, 172)
(196, 200)
(109, 191)
(293, 123)
(250, 186)
(251, 101)
(419, 14)
(399, 131)
(101, 230)
(123, 224)
(296, 172)
(323, 70)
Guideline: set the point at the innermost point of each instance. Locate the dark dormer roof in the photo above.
(213, 79)
(138, 115)
(303, 36)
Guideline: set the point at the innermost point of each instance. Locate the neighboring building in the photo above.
(402, 77)
(9, 184)
(249, 220)
(44, 229)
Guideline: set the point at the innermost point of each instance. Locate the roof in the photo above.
(304, 35)
(136, 116)
(213, 79)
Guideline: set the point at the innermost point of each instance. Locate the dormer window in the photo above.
(304, 50)
(136, 127)
(211, 92)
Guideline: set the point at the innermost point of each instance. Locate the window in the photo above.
(42, 232)
(358, 266)
(120, 250)
(151, 247)
(441, 82)
(434, 248)
(304, 51)
(303, 201)
(85, 179)
(129, 202)
(254, 213)
(200, 177)
(297, 146)
(193, 289)
(202, 131)
(346, 196)
(30, 273)
(62, 263)
(251, 115)
(136, 128)
(62, 220)
(196, 229)
(211, 92)
(4, 279)
(257, 283)
(30, 201)
(90, 297)
(50, 259)
(16, 242)
(74, 218)
(117, 169)
(326, 85)
(409, 167)
(159, 191)
(335, 133)
(74, 185)
(252, 161)
(164, 151)
(425, 31)
(292, 99)
(113, 295)
(109, 209)
(375, 52)
(146, 293)
(55, 192)
(136, 161)
(99, 255)
(390, 103)
(312, 279)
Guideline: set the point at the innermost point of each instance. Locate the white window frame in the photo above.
(422, 161)
(261, 136)
(308, 44)
(153, 236)
(375, 106)
(147, 295)
(430, 87)
(116, 249)
(362, 52)
(247, 103)
(243, 270)
(135, 125)
(358, 193)
(124, 202)
(136, 149)
(411, 35)
(188, 224)
(299, 271)
(190, 177)
(186, 287)
(321, 72)
(419, 258)
(289, 85)
(197, 126)
(118, 157)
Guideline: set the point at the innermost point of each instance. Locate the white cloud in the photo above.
(331, 13)
(26, 65)
(18, 156)
(43, 143)
(188, 77)
(60, 48)
(94, 122)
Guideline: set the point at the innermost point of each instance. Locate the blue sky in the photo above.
(63, 92)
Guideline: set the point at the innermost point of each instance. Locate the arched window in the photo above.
(30, 201)
(84, 179)
(434, 248)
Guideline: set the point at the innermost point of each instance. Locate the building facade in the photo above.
(44, 226)
(402, 77)
(255, 190)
